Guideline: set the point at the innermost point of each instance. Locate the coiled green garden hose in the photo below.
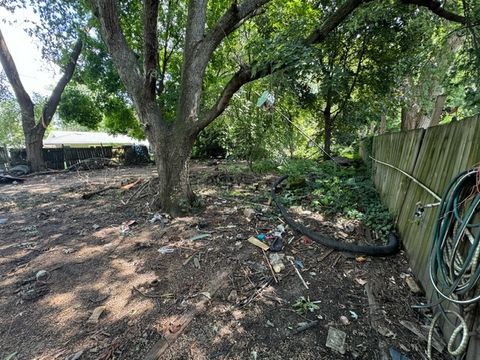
(455, 252)
(454, 268)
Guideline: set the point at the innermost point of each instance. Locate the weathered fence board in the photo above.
(54, 158)
(434, 157)
(399, 149)
(74, 155)
(59, 158)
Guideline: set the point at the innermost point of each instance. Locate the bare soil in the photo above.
(62, 256)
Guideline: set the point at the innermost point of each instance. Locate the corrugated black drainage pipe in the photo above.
(390, 248)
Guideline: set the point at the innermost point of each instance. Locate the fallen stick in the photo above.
(375, 313)
(256, 293)
(324, 256)
(373, 306)
(132, 185)
(87, 196)
(178, 326)
(270, 266)
(299, 275)
(138, 191)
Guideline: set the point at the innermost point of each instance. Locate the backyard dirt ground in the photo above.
(209, 295)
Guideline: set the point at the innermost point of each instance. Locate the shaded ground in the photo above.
(93, 260)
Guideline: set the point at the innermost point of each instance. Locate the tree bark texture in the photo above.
(35, 130)
(383, 124)
(172, 157)
(437, 110)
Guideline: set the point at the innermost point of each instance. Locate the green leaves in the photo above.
(11, 133)
(78, 107)
(303, 305)
(336, 191)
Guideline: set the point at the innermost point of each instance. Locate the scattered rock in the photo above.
(42, 275)
(412, 284)
(344, 320)
(233, 296)
(360, 281)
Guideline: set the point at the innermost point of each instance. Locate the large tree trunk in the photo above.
(34, 149)
(437, 110)
(173, 147)
(383, 124)
(33, 141)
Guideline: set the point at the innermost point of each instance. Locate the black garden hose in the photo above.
(390, 248)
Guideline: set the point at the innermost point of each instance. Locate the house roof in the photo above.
(89, 138)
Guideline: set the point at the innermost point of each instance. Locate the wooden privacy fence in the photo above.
(434, 157)
(61, 158)
(74, 155)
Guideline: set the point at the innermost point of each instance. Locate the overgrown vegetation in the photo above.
(347, 192)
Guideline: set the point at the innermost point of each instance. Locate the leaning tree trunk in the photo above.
(32, 130)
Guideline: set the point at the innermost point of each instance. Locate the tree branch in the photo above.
(52, 103)
(241, 77)
(355, 77)
(436, 7)
(333, 21)
(197, 17)
(246, 75)
(194, 64)
(231, 20)
(150, 44)
(10, 69)
(165, 58)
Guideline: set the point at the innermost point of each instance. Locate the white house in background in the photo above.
(57, 139)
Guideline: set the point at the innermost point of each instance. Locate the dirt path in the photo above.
(92, 259)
